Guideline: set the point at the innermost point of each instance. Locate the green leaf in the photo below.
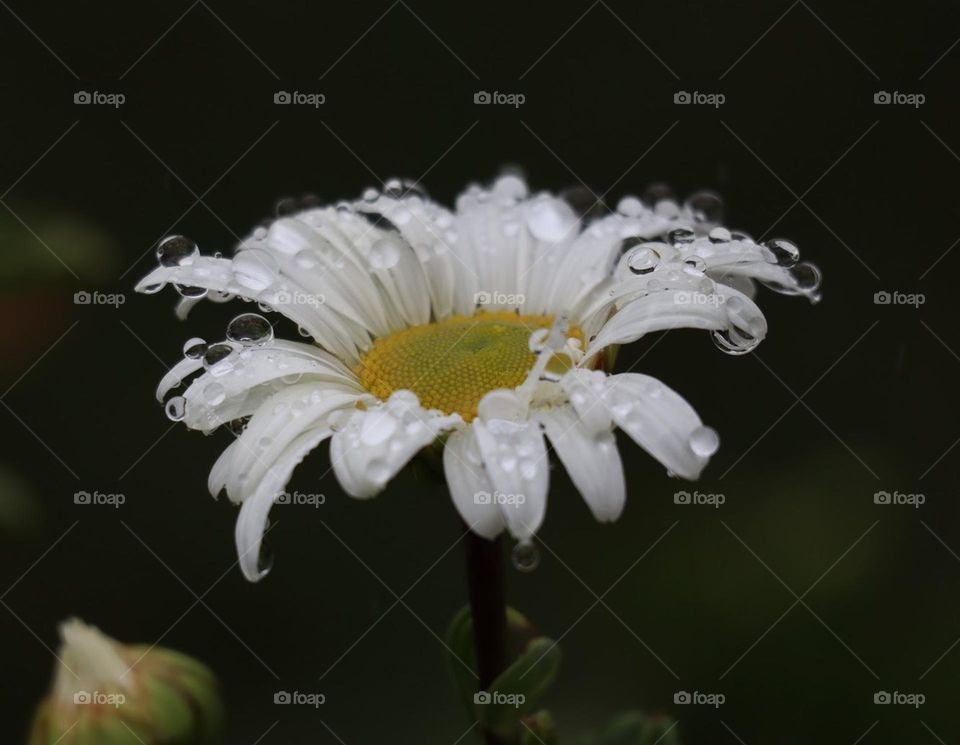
(637, 728)
(517, 689)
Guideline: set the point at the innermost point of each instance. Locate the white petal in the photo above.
(220, 473)
(658, 419)
(237, 386)
(253, 514)
(470, 487)
(516, 460)
(370, 447)
(591, 459)
(277, 423)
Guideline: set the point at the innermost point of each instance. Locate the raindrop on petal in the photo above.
(177, 250)
(195, 348)
(704, 441)
(643, 261)
(784, 252)
(525, 556)
(385, 253)
(250, 328)
(176, 408)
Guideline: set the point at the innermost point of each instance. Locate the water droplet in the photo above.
(237, 426)
(706, 206)
(177, 250)
(720, 235)
(784, 252)
(190, 292)
(681, 236)
(385, 253)
(696, 262)
(250, 328)
(260, 233)
(195, 348)
(808, 276)
(216, 353)
(176, 408)
(704, 441)
(370, 195)
(643, 260)
(525, 556)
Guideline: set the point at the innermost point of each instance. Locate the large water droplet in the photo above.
(385, 253)
(216, 353)
(525, 556)
(250, 328)
(176, 408)
(370, 195)
(704, 441)
(195, 348)
(643, 260)
(177, 250)
(720, 235)
(784, 252)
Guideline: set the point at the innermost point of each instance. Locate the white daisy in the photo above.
(487, 331)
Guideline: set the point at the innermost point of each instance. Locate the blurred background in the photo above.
(798, 599)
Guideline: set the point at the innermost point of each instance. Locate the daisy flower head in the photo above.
(488, 330)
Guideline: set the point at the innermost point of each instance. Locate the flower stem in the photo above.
(485, 575)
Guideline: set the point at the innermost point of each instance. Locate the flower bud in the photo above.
(108, 693)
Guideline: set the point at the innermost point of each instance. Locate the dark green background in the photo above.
(799, 478)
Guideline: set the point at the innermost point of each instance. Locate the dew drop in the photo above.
(550, 220)
(696, 263)
(720, 235)
(784, 252)
(370, 195)
(264, 559)
(681, 236)
(195, 348)
(216, 353)
(525, 556)
(704, 441)
(808, 276)
(250, 328)
(176, 408)
(189, 291)
(177, 250)
(260, 233)
(643, 261)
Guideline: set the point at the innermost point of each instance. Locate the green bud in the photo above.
(108, 693)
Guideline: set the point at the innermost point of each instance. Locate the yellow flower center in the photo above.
(452, 364)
